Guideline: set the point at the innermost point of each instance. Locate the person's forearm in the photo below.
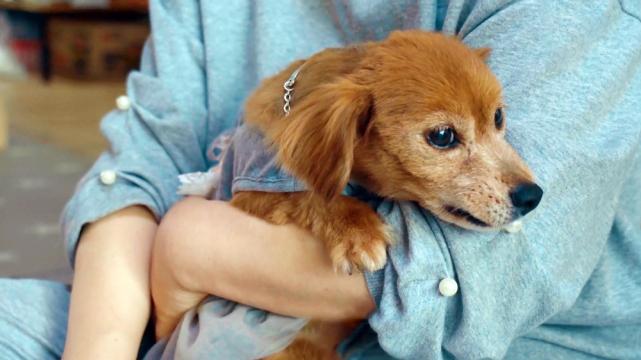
(282, 269)
(110, 300)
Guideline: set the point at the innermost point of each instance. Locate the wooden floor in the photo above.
(63, 113)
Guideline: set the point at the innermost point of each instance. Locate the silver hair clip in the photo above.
(289, 86)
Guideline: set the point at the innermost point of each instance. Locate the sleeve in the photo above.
(161, 135)
(572, 80)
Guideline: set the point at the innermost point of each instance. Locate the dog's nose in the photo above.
(526, 197)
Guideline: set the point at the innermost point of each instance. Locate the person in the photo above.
(565, 287)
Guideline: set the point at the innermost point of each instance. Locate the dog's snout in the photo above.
(526, 197)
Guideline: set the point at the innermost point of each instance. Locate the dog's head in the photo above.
(416, 117)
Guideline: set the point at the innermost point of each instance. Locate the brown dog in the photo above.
(416, 117)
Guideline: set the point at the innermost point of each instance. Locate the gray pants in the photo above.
(34, 313)
(33, 320)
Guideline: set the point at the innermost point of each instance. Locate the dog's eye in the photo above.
(443, 138)
(498, 118)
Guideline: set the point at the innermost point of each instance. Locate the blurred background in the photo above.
(63, 64)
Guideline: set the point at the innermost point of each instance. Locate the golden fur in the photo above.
(363, 112)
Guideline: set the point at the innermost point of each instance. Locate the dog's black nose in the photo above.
(526, 197)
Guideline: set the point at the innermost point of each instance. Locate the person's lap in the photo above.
(33, 325)
(33, 319)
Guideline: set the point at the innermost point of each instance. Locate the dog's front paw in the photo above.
(362, 246)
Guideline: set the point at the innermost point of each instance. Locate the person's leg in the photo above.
(33, 319)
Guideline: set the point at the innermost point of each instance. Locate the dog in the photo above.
(416, 117)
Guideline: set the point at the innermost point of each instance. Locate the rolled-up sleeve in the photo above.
(572, 81)
(161, 135)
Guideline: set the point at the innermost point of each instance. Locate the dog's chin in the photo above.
(464, 219)
(468, 226)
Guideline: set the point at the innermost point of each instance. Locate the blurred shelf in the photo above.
(65, 8)
(42, 14)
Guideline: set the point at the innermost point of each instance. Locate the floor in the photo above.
(63, 114)
(54, 138)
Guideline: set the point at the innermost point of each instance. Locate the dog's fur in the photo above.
(363, 113)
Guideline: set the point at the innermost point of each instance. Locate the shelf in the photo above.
(65, 8)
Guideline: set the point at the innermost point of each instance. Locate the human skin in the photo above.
(209, 247)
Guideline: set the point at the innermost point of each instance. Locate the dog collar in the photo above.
(289, 86)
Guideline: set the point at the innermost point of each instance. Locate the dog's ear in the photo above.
(315, 143)
(483, 53)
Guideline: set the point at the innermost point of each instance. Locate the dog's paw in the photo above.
(362, 247)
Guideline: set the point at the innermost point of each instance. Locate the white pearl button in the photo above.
(514, 226)
(108, 177)
(448, 287)
(123, 103)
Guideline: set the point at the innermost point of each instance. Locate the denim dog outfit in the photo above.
(567, 286)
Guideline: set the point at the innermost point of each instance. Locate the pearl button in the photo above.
(514, 226)
(448, 287)
(108, 177)
(123, 103)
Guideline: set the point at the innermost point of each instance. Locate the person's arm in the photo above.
(162, 135)
(112, 278)
(209, 247)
